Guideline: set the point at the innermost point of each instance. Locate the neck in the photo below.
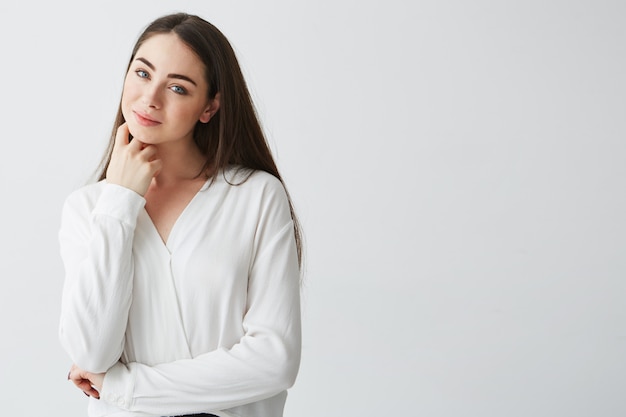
(181, 162)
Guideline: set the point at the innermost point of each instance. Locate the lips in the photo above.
(145, 120)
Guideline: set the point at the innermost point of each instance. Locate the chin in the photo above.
(140, 133)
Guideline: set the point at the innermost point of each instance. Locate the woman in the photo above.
(182, 263)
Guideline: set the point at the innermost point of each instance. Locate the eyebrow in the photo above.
(177, 76)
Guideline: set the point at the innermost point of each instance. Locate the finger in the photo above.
(78, 380)
(92, 392)
(69, 374)
(78, 377)
(122, 135)
(149, 152)
(137, 144)
(85, 386)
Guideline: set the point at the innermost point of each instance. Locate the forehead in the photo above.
(171, 55)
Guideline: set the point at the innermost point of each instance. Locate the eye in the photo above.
(141, 73)
(178, 89)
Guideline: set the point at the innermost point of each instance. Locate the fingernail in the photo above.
(85, 393)
(68, 374)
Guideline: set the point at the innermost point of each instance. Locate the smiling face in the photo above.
(165, 91)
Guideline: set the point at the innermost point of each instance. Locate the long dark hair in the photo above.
(234, 135)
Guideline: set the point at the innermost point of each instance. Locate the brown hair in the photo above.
(234, 135)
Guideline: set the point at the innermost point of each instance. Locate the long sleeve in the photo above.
(96, 238)
(261, 365)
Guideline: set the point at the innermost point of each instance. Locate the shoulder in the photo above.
(266, 182)
(260, 194)
(254, 182)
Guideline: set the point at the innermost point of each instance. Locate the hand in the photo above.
(133, 164)
(90, 384)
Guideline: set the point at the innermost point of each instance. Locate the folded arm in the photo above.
(96, 240)
(262, 364)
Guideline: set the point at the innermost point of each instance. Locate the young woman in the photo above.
(182, 287)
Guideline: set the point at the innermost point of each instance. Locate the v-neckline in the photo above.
(166, 243)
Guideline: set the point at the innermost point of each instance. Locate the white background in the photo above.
(459, 168)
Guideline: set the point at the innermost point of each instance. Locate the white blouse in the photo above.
(207, 322)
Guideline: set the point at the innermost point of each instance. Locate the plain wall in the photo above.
(458, 166)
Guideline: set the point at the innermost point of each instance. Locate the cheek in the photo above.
(131, 88)
(125, 106)
(183, 111)
(130, 94)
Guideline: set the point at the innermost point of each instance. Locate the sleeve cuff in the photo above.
(119, 202)
(118, 386)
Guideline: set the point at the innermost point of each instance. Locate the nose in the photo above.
(151, 96)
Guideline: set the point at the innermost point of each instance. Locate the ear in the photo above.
(211, 109)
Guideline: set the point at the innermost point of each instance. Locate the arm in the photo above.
(262, 364)
(96, 248)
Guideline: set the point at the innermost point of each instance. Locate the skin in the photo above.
(164, 96)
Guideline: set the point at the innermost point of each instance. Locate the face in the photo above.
(165, 92)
